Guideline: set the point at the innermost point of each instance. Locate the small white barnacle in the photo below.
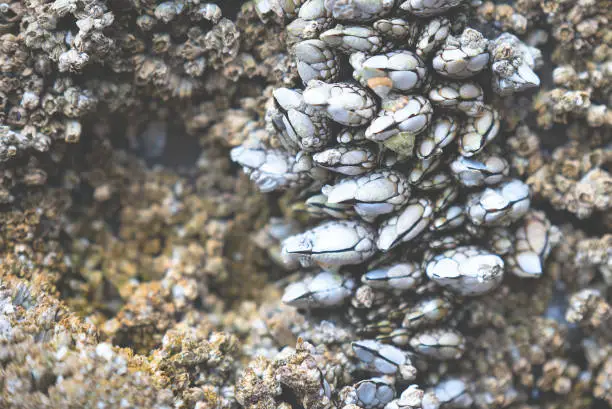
(384, 359)
(480, 170)
(323, 290)
(343, 102)
(351, 39)
(450, 392)
(332, 244)
(372, 393)
(534, 238)
(359, 10)
(406, 225)
(398, 276)
(428, 8)
(442, 344)
(466, 270)
(374, 194)
(426, 312)
(463, 56)
(316, 61)
(478, 131)
(442, 132)
(499, 206)
(348, 160)
(400, 71)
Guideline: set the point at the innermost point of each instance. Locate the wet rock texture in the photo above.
(140, 268)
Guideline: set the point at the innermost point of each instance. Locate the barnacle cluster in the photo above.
(421, 201)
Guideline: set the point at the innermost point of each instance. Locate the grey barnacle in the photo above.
(384, 359)
(450, 392)
(343, 102)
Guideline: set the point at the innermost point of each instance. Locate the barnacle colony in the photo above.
(398, 153)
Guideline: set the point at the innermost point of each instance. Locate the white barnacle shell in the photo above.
(512, 65)
(426, 311)
(464, 96)
(451, 391)
(400, 70)
(323, 290)
(299, 126)
(480, 170)
(478, 131)
(499, 206)
(401, 118)
(432, 35)
(534, 238)
(373, 194)
(398, 29)
(348, 160)
(428, 8)
(332, 244)
(372, 393)
(345, 103)
(462, 57)
(399, 276)
(315, 60)
(318, 206)
(467, 270)
(351, 39)
(451, 218)
(272, 169)
(442, 132)
(405, 225)
(442, 344)
(359, 10)
(384, 359)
